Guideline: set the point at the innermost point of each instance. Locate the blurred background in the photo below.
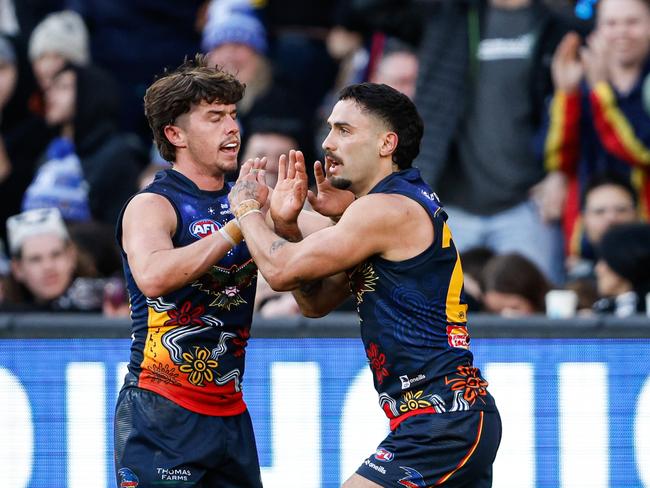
(537, 140)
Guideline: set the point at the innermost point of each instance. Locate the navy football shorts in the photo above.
(161, 444)
(449, 450)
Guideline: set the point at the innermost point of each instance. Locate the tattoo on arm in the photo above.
(247, 188)
(277, 245)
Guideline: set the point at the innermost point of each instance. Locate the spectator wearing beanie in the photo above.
(60, 38)
(235, 39)
(623, 270)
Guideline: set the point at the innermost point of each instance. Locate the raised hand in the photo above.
(290, 191)
(567, 68)
(329, 201)
(594, 59)
(250, 185)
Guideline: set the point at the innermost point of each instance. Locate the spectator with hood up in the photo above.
(90, 169)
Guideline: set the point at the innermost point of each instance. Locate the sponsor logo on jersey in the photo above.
(407, 382)
(383, 455)
(174, 474)
(203, 228)
(457, 336)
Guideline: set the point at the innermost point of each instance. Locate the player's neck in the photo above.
(365, 188)
(200, 176)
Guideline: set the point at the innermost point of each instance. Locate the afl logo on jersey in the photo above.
(203, 228)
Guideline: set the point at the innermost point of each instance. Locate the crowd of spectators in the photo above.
(536, 115)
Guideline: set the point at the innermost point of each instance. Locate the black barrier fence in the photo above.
(32, 325)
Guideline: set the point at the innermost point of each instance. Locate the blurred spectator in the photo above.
(156, 163)
(18, 17)
(43, 264)
(270, 137)
(473, 262)
(608, 199)
(483, 77)
(115, 301)
(513, 286)
(135, 41)
(623, 270)
(586, 291)
(60, 38)
(91, 169)
(97, 248)
(397, 67)
(23, 134)
(237, 41)
(597, 122)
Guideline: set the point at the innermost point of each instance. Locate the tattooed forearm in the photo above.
(277, 245)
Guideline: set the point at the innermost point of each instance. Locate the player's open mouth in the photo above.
(332, 163)
(230, 147)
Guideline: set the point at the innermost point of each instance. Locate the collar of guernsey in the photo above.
(189, 345)
(413, 320)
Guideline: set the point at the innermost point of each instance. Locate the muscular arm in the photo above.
(319, 297)
(148, 225)
(372, 225)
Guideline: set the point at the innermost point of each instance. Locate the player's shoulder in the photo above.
(148, 206)
(384, 209)
(386, 204)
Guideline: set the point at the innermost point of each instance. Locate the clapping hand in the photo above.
(290, 191)
(567, 67)
(329, 201)
(250, 185)
(594, 59)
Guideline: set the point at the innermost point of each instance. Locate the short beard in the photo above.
(340, 183)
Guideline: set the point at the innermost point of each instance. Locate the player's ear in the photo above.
(389, 144)
(175, 135)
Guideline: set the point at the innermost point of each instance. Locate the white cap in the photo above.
(34, 222)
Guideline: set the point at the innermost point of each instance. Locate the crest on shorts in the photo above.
(128, 479)
(412, 478)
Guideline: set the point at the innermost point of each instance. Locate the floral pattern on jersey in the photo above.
(362, 280)
(468, 381)
(377, 360)
(240, 342)
(163, 373)
(187, 315)
(225, 284)
(198, 365)
(414, 401)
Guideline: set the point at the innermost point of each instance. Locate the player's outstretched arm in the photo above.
(158, 268)
(364, 230)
